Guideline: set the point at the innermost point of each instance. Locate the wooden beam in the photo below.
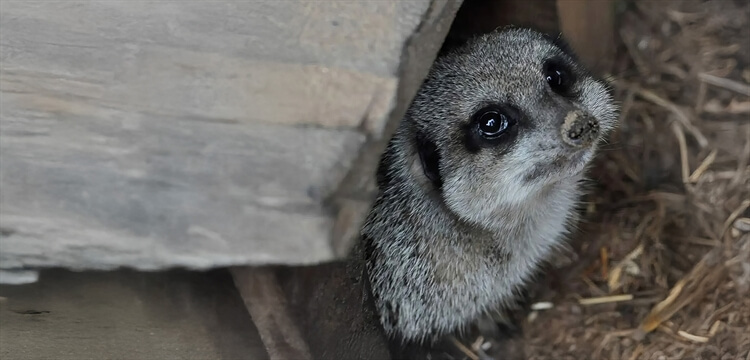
(269, 308)
(589, 27)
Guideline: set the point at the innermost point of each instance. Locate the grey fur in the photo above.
(439, 257)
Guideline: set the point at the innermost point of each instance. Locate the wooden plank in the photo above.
(270, 311)
(161, 134)
(82, 192)
(589, 26)
(127, 315)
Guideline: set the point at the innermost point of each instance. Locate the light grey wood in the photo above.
(193, 134)
(196, 134)
(218, 194)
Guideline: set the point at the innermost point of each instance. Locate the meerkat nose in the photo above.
(579, 129)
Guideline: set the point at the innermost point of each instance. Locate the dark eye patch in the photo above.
(430, 158)
(494, 125)
(559, 76)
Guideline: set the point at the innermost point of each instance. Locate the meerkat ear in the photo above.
(430, 157)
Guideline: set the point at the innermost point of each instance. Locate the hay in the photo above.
(673, 190)
(664, 254)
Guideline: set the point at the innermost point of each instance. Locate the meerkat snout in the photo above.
(579, 129)
(479, 183)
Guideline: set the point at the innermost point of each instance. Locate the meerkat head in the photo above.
(503, 119)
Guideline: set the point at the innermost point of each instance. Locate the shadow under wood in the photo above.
(312, 312)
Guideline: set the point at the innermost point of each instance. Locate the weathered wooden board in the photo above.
(196, 134)
(126, 315)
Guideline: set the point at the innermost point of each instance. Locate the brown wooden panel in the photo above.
(589, 26)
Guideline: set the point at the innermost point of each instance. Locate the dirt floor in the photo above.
(660, 268)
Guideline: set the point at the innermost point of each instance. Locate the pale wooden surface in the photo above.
(195, 134)
(127, 316)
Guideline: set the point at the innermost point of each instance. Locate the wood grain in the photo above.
(201, 134)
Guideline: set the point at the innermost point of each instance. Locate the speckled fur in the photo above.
(439, 257)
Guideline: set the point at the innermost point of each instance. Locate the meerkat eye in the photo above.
(558, 76)
(492, 122)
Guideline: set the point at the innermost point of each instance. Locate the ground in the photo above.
(660, 267)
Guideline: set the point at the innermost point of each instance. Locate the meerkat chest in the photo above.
(452, 283)
(438, 276)
(497, 264)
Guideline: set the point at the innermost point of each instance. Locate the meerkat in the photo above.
(479, 183)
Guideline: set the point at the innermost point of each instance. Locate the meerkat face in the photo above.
(506, 118)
